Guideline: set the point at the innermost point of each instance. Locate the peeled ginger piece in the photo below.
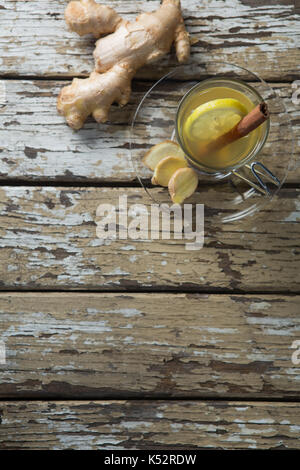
(165, 169)
(160, 151)
(183, 184)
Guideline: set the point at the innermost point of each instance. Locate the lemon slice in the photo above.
(214, 118)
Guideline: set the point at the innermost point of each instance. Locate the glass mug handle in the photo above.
(262, 171)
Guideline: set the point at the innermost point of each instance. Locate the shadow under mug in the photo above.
(248, 161)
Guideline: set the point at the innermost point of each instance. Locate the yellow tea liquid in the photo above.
(231, 154)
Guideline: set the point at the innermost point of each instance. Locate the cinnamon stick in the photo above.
(255, 118)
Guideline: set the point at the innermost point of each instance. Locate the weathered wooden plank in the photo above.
(154, 425)
(262, 36)
(48, 240)
(36, 143)
(149, 345)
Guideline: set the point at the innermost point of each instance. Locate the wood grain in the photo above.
(154, 425)
(261, 36)
(149, 345)
(36, 143)
(48, 241)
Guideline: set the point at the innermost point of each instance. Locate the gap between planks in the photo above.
(150, 290)
(199, 399)
(94, 185)
(64, 78)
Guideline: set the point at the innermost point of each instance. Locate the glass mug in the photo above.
(211, 89)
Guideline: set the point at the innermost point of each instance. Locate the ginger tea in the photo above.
(210, 111)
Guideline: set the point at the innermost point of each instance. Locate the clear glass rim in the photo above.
(211, 171)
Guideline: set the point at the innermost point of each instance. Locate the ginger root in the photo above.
(87, 16)
(118, 55)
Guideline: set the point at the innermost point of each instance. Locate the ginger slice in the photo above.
(160, 151)
(183, 184)
(165, 169)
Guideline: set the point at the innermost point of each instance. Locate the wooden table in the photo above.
(138, 345)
